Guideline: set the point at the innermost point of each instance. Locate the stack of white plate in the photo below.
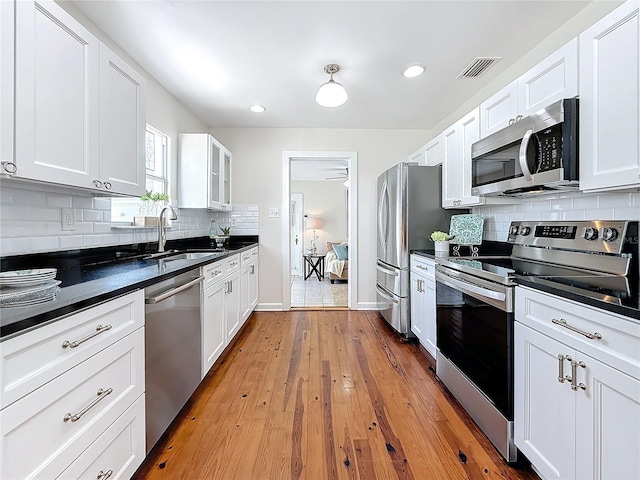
(20, 288)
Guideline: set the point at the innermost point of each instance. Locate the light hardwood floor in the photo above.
(323, 395)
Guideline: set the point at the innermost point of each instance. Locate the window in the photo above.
(123, 210)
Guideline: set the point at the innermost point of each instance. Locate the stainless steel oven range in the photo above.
(475, 295)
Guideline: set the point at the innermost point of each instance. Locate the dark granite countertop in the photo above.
(111, 273)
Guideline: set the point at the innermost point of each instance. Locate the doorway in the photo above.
(331, 166)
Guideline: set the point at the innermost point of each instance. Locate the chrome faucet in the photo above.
(162, 229)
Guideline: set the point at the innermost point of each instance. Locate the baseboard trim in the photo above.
(269, 307)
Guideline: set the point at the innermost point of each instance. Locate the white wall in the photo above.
(328, 201)
(257, 170)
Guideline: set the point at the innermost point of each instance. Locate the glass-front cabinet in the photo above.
(204, 172)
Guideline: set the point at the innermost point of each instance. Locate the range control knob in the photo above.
(609, 234)
(590, 233)
(513, 230)
(524, 231)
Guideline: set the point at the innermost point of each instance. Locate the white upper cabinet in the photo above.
(79, 108)
(204, 172)
(609, 98)
(122, 125)
(417, 156)
(57, 95)
(7, 164)
(555, 78)
(433, 153)
(456, 168)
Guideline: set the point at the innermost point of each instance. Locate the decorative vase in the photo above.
(442, 247)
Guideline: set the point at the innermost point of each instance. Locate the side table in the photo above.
(314, 263)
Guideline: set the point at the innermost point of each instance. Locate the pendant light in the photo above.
(331, 94)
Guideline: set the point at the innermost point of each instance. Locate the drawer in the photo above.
(120, 449)
(212, 273)
(620, 337)
(39, 440)
(423, 266)
(231, 264)
(34, 358)
(248, 256)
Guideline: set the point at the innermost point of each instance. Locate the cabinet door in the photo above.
(433, 152)
(498, 110)
(544, 410)
(244, 293)
(468, 133)
(418, 307)
(57, 96)
(417, 156)
(608, 413)
(430, 315)
(253, 286)
(215, 174)
(6, 85)
(214, 338)
(609, 101)
(232, 305)
(225, 158)
(555, 78)
(122, 126)
(451, 184)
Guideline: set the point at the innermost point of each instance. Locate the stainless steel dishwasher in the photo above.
(172, 349)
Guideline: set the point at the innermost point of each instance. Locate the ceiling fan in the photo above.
(341, 175)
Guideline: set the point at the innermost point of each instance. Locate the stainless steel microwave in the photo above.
(537, 154)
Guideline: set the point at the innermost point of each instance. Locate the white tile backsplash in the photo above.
(576, 206)
(31, 222)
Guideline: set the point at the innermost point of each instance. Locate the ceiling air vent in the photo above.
(478, 66)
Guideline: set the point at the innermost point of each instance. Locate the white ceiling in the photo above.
(220, 57)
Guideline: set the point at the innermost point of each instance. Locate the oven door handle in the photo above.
(469, 287)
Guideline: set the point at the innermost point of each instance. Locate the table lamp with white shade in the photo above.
(313, 223)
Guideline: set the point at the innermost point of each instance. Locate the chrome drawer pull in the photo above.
(561, 376)
(98, 183)
(104, 475)
(99, 329)
(101, 394)
(574, 373)
(563, 323)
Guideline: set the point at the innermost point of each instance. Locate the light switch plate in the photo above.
(274, 212)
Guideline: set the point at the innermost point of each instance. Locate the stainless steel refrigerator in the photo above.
(409, 209)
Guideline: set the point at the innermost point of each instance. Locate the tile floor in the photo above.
(311, 292)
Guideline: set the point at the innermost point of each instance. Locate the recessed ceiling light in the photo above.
(257, 108)
(413, 71)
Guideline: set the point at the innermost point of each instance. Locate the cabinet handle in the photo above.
(107, 185)
(561, 375)
(518, 118)
(98, 183)
(101, 395)
(253, 270)
(574, 374)
(9, 167)
(512, 121)
(421, 267)
(104, 475)
(563, 323)
(99, 329)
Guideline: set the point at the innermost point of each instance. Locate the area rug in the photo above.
(340, 294)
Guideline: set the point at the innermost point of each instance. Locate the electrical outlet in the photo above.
(68, 219)
(233, 221)
(274, 212)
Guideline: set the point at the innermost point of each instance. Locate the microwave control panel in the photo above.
(549, 148)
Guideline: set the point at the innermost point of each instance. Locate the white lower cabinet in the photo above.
(229, 295)
(423, 302)
(46, 431)
(577, 399)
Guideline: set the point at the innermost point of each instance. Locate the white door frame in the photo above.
(299, 217)
(352, 163)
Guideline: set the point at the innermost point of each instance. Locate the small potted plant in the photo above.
(226, 235)
(149, 209)
(441, 241)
